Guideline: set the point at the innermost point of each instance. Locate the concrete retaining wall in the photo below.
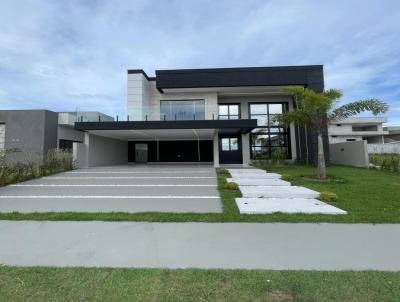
(350, 153)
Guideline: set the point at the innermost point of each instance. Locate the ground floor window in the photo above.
(266, 145)
(271, 139)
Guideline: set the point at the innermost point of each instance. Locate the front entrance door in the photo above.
(230, 149)
(141, 153)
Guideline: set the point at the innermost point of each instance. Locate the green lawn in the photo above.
(94, 284)
(369, 196)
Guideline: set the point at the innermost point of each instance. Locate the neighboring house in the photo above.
(357, 129)
(393, 135)
(220, 116)
(41, 130)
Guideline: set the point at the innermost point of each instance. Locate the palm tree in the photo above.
(315, 110)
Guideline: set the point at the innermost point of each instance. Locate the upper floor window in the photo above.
(228, 112)
(182, 110)
(265, 113)
(365, 128)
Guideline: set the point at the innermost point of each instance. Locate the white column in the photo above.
(80, 152)
(216, 149)
(245, 149)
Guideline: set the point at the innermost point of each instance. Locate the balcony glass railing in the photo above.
(82, 117)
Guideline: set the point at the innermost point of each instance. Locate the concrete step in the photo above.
(285, 205)
(255, 175)
(258, 182)
(279, 192)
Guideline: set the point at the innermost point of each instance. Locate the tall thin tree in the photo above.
(315, 110)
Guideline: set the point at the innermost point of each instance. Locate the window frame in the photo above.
(230, 149)
(229, 115)
(266, 130)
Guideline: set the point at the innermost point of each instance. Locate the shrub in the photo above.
(223, 172)
(390, 162)
(231, 186)
(328, 196)
(277, 157)
(17, 165)
(286, 177)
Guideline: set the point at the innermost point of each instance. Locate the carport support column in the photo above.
(216, 149)
(246, 149)
(80, 152)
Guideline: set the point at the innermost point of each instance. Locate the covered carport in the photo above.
(120, 142)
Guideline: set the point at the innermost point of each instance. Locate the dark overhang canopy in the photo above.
(231, 126)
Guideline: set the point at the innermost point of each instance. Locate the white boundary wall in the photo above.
(350, 153)
(384, 148)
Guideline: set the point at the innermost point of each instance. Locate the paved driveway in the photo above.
(131, 188)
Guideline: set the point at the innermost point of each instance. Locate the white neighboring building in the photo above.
(394, 134)
(357, 129)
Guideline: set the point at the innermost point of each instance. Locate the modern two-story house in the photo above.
(358, 128)
(219, 116)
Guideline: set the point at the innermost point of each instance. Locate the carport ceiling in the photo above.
(159, 134)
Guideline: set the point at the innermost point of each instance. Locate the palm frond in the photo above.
(296, 116)
(333, 94)
(373, 105)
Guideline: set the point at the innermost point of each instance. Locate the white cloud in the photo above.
(60, 55)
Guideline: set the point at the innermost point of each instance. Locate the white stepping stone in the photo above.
(285, 205)
(279, 192)
(258, 182)
(247, 170)
(255, 175)
(248, 173)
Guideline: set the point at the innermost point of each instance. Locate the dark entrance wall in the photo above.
(230, 156)
(175, 151)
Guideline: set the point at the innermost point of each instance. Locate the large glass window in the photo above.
(182, 110)
(228, 112)
(270, 139)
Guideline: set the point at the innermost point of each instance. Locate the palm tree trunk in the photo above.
(321, 158)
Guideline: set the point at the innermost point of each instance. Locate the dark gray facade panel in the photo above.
(50, 130)
(30, 129)
(237, 77)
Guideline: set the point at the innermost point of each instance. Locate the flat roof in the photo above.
(311, 76)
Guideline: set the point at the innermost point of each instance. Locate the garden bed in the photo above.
(17, 166)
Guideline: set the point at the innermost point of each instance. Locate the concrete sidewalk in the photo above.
(201, 245)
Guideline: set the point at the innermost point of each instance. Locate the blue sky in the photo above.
(64, 55)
